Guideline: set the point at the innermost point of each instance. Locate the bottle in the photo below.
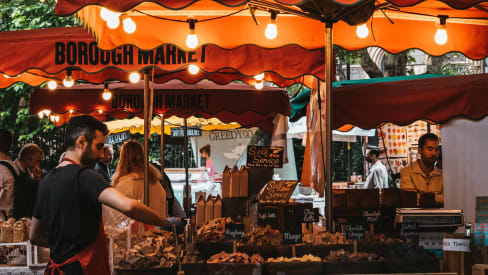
(354, 177)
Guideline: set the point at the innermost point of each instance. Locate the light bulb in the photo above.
(113, 21)
(192, 40)
(193, 69)
(56, 118)
(71, 111)
(52, 85)
(362, 31)
(134, 77)
(40, 114)
(259, 85)
(107, 95)
(259, 77)
(271, 31)
(100, 111)
(68, 81)
(129, 25)
(441, 35)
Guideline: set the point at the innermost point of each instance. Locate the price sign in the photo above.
(234, 231)
(293, 237)
(409, 230)
(355, 231)
(310, 215)
(456, 245)
(267, 215)
(371, 216)
(265, 156)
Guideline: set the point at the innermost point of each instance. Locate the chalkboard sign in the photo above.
(267, 215)
(311, 215)
(193, 131)
(234, 231)
(293, 237)
(409, 230)
(371, 216)
(265, 156)
(278, 191)
(117, 138)
(355, 231)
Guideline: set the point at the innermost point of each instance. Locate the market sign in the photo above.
(192, 131)
(265, 156)
(355, 231)
(234, 231)
(117, 138)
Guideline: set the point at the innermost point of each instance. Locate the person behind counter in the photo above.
(378, 175)
(67, 214)
(423, 175)
(205, 153)
(104, 165)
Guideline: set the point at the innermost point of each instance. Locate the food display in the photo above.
(239, 258)
(156, 249)
(343, 256)
(304, 258)
(262, 236)
(13, 231)
(214, 230)
(371, 238)
(327, 238)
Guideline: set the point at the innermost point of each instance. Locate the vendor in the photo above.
(67, 215)
(378, 175)
(209, 166)
(423, 175)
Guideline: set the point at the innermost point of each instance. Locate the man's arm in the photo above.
(131, 208)
(37, 233)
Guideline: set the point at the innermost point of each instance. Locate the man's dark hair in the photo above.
(425, 137)
(375, 152)
(205, 149)
(6, 139)
(84, 125)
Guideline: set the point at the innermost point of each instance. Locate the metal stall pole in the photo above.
(328, 127)
(187, 189)
(147, 126)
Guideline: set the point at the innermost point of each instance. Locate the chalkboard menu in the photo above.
(371, 216)
(234, 231)
(355, 231)
(265, 156)
(409, 230)
(292, 237)
(267, 215)
(117, 138)
(277, 191)
(311, 215)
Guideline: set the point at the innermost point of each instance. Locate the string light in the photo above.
(68, 81)
(52, 85)
(43, 113)
(71, 111)
(271, 30)
(191, 38)
(129, 25)
(107, 95)
(259, 85)
(100, 111)
(193, 69)
(441, 33)
(134, 77)
(259, 77)
(362, 31)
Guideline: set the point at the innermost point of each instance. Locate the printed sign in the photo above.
(191, 131)
(265, 156)
(409, 230)
(456, 245)
(355, 231)
(292, 237)
(371, 215)
(267, 215)
(311, 215)
(117, 138)
(482, 203)
(431, 240)
(234, 231)
(277, 191)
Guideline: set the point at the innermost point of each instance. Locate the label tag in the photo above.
(456, 245)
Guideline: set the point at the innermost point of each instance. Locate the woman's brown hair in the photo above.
(132, 161)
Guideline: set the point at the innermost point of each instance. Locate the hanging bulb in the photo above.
(129, 25)
(100, 111)
(191, 38)
(259, 85)
(113, 20)
(271, 30)
(68, 81)
(134, 77)
(259, 77)
(441, 33)
(71, 111)
(193, 69)
(362, 31)
(107, 94)
(52, 85)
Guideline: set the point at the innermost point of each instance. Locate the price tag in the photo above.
(267, 215)
(292, 237)
(234, 231)
(371, 216)
(456, 245)
(355, 231)
(409, 230)
(310, 215)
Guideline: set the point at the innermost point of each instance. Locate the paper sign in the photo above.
(456, 245)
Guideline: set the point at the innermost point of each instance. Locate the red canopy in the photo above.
(230, 103)
(47, 53)
(403, 102)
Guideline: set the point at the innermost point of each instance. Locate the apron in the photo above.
(93, 258)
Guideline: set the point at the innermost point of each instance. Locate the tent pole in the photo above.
(162, 144)
(186, 190)
(328, 124)
(147, 126)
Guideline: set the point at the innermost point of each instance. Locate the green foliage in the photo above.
(348, 57)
